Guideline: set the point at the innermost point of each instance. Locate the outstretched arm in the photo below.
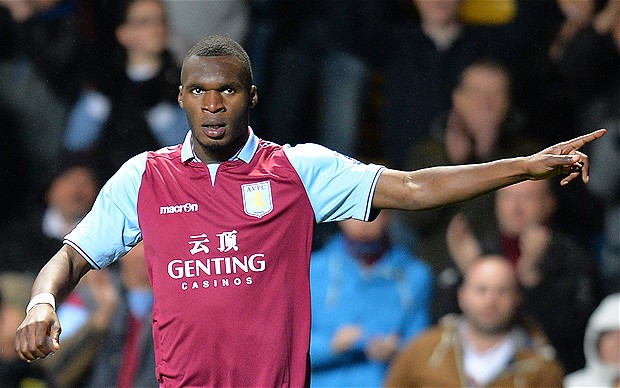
(59, 276)
(439, 186)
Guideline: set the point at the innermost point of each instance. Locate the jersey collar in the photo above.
(246, 153)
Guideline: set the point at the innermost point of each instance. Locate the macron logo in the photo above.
(186, 208)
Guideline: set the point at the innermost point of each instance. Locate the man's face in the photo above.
(489, 297)
(217, 98)
(609, 348)
(522, 205)
(145, 32)
(361, 231)
(482, 99)
(73, 192)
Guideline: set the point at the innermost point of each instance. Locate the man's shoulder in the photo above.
(445, 332)
(166, 153)
(534, 353)
(166, 156)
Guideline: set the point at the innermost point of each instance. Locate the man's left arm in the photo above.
(445, 185)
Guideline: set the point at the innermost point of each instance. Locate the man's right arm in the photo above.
(39, 333)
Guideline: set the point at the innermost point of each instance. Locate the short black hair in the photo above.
(218, 46)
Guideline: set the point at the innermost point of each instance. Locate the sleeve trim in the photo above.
(82, 253)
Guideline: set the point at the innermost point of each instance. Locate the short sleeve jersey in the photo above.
(228, 258)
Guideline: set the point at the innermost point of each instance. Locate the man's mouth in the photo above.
(214, 130)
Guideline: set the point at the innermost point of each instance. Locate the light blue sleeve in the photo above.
(339, 187)
(111, 228)
(86, 120)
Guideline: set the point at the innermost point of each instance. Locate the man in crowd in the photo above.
(487, 345)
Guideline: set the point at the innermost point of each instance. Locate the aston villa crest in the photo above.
(257, 200)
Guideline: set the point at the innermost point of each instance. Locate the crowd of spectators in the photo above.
(86, 84)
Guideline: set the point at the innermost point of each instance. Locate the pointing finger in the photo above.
(580, 141)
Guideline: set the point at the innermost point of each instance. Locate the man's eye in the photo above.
(197, 91)
(228, 91)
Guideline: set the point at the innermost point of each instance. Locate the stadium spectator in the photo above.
(13, 295)
(490, 344)
(560, 278)
(306, 99)
(27, 240)
(422, 69)
(601, 347)
(482, 124)
(132, 105)
(41, 64)
(353, 337)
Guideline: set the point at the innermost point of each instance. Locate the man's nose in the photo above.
(212, 101)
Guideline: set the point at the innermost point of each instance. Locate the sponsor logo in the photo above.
(185, 208)
(204, 270)
(179, 269)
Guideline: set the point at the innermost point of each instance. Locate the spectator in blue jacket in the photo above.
(369, 296)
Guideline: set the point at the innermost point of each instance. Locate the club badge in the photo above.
(257, 200)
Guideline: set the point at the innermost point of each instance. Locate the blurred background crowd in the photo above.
(86, 84)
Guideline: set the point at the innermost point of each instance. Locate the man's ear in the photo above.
(253, 96)
(180, 96)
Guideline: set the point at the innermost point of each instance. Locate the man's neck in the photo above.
(217, 154)
(442, 35)
(481, 341)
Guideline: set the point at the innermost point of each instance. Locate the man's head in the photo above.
(438, 13)
(489, 296)
(367, 241)
(578, 11)
(524, 204)
(217, 93)
(364, 232)
(143, 28)
(73, 191)
(482, 97)
(602, 339)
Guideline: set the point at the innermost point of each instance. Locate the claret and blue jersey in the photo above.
(227, 250)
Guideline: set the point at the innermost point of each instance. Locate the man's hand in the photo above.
(382, 348)
(463, 246)
(563, 158)
(534, 242)
(345, 337)
(39, 334)
(105, 295)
